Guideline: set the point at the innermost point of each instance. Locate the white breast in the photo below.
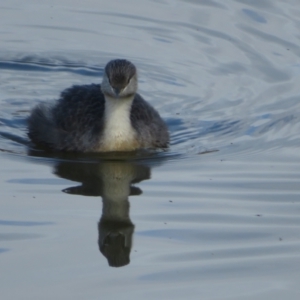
(118, 134)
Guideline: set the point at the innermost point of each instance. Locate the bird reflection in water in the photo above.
(113, 181)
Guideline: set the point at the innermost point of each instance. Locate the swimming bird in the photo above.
(105, 117)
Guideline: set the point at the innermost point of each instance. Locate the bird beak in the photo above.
(116, 91)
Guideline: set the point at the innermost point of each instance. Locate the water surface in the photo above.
(216, 216)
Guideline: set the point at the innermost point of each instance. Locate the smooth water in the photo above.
(215, 217)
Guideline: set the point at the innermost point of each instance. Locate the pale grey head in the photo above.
(119, 79)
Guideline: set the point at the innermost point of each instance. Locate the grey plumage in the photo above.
(76, 122)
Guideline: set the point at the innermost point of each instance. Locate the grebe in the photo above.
(100, 118)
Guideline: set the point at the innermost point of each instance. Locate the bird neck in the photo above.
(119, 134)
(117, 107)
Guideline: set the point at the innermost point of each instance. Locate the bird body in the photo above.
(100, 118)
